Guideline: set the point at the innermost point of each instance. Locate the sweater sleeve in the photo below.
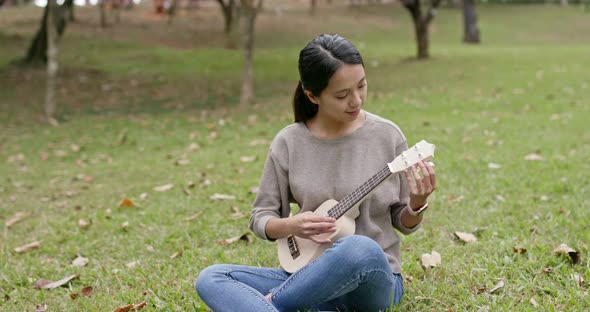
(272, 199)
(404, 200)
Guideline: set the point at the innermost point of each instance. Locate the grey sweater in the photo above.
(304, 169)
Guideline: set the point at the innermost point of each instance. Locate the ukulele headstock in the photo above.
(422, 151)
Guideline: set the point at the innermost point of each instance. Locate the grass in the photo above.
(135, 96)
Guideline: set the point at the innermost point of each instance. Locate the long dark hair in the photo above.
(317, 63)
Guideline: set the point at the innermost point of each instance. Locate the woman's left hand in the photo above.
(422, 181)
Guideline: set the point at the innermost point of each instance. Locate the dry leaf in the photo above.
(41, 308)
(125, 225)
(246, 237)
(237, 213)
(194, 147)
(28, 247)
(16, 218)
(40, 283)
(86, 291)
(143, 196)
(217, 196)
(579, 280)
(126, 202)
(534, 302)
(466, 237)
(83, 224)
(519, 250)
(565, 249)
(131, 307)
(132, 264)
(163, 188)
(548, 270)
(254, 189)
(194, 217)
(455, 199)
(259, 142)
(431, 260)
(80, 261)
(182, 162)
(177, 254)
(494, 166)
(498, 286)
(60, 283)
(247, 159)
(533, 157)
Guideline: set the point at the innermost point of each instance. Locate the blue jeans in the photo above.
(353, 275)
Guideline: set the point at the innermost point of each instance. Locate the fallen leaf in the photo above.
(40, 283)
(194, 217)
(534, 302)
(19, 216)
(176, 254)
(28, 247)
(80, 261)
(41, 308)
(237, 213)
(259, 142)
(163, 188)
(131, 307)
(431, 260)
(455, 199)
(87, 291)
(246, 237)
(132, 264)
(494, 166)
(579, 280)
(247, 159)
(533, 157)
(143, 196)
(498, 286)
(548, 270)
(60, 283)
(565, 249)
(194, 147)
(466, 237)
(125, 225)
(217, 196)
(182, 162)
(254, 189)
(83, 224)
(126, 202)
(519, 250)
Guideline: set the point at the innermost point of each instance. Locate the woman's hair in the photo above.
(318, 61)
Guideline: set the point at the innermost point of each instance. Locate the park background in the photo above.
(131, 164)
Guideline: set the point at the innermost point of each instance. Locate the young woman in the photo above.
(331, 149)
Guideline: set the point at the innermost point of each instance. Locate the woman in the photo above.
(331, 149)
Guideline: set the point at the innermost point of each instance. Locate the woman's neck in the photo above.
(326, 128)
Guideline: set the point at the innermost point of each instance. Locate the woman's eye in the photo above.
(362, 86)
(341, 97)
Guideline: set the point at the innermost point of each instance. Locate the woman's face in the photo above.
(343, 98)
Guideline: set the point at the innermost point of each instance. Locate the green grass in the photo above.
(524, 90)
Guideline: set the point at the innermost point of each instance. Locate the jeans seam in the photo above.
(358, 277)
(270, 307)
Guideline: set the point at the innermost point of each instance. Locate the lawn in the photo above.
(148, 114)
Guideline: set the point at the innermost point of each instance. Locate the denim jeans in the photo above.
(353, 275)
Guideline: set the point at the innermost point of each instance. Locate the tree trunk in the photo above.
(421, 24)
(52, 63)
(231, 15)
(69, 7)
(37, 52)
(471, 31)
(251, 10)
(103, 14)
(313, 6)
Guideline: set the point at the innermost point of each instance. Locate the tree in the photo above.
(251, 9)
(421, 23)
(231, 15)
(470, 29)
(52, 64)
(37, 52)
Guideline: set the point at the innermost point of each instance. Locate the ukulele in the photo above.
(295, 252)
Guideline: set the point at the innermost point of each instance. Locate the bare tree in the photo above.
(421, 23)
(470, 29)
(231, 14)
(103, 13)
(251, 9)
(52, 64)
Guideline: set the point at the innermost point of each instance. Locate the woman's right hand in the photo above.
(311, 225)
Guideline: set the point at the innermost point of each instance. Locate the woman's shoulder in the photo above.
(385, 126)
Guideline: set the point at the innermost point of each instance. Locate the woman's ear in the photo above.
(311, 97)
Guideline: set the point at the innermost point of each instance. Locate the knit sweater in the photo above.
(306, 170)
